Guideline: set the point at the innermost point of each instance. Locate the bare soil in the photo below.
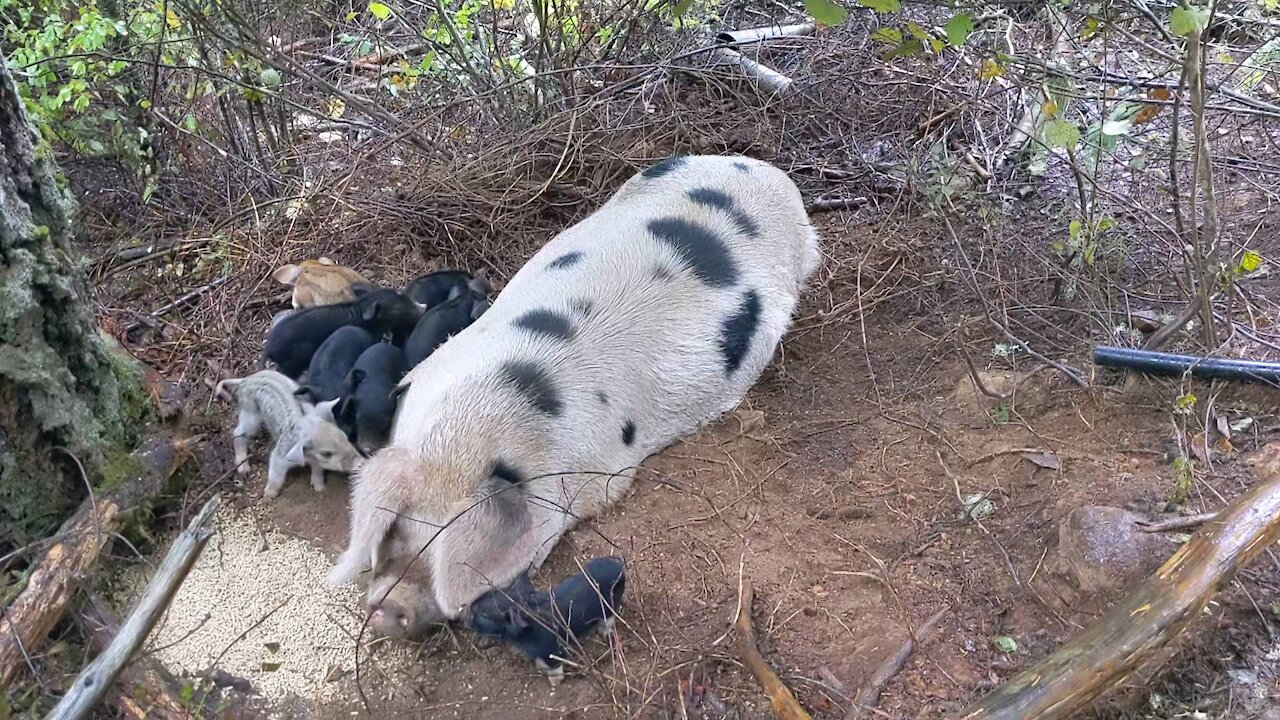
(836, 491)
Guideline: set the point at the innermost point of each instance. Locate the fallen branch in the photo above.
(867, 698)
(96, 679)
(1152, 616)
(785, 705)
(145, 690)
(53, 583)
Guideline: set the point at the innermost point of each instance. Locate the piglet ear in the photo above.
(296, 455)
(325, 409)
(372, 311)
(286, 274)
(325, 261)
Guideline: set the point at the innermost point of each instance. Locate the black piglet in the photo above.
(545, 625)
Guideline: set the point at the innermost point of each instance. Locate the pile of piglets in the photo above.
(337, 357)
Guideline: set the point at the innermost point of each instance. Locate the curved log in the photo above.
(1155, 613)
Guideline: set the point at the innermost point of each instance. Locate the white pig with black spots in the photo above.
(624, 333)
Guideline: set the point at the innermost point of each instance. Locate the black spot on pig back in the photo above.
(628, 433)
(506, 473)
(742, 167)
(664, 167)
(546, 323)
(568, 259)
(738, 330)
(717, 200)
(535, 384)
(699, 248)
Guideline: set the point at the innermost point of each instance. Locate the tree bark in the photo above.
(1155, 613)
(63, 400)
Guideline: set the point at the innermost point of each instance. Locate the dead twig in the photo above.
(1177, 523)
(867, 698)
(785, 705)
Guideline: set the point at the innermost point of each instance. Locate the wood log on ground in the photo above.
(785, 705)
(96, 679)
(145, 690)
(1152, 615)
(58, 574)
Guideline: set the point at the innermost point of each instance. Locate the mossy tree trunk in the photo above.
(61, 394)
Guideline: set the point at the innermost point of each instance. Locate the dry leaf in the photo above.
(1199, 448)
(1046, 460)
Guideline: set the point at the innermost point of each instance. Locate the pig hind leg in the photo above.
(247, 427)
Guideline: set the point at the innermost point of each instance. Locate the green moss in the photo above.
(133, 409)
(120, 467)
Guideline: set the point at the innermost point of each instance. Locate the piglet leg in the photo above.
(317, 478)
(277, 470)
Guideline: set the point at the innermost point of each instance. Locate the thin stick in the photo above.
(94, 681)
(1177, 523)
(785, 705)
(867, 698)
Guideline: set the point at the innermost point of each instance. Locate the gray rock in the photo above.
(1101, 549)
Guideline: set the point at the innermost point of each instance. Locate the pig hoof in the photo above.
(243, 469)
(555, 675)
(270, 494)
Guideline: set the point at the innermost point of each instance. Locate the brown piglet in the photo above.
(320, 282)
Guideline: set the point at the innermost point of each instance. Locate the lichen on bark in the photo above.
(61, 393)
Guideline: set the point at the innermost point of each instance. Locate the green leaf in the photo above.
(680, 8)
(1249, 262)
(825, 12)
(1186, 20)
(1061, 134)
(887, 35)
(96, 146)
(1073, 229)
(958, 29)
(881, 6)
(380, 11)
(1006, 644)
(910, 47)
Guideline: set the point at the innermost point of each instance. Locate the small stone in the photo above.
(1102, 549)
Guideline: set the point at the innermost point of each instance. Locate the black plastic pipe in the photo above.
(1158, 363)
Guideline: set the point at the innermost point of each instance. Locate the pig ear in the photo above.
(325, 261)
(354, 378)
(286, 274)
(325, 409)
(297, 455)
(358, 289)
(371, 313)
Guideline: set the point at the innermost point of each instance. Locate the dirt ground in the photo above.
(836, 491)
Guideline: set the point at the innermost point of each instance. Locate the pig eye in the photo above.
(325, 455)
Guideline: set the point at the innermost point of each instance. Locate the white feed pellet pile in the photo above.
(256, 603)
